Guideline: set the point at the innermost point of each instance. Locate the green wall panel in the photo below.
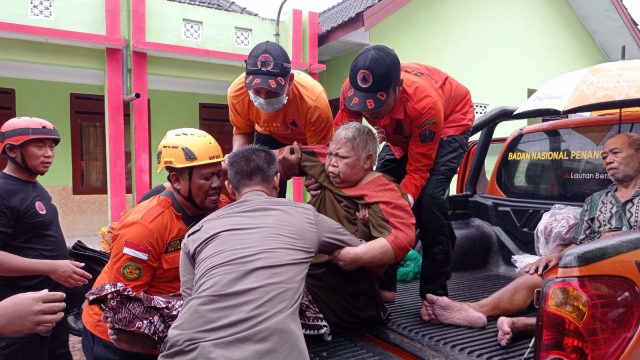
(497, 48)
(50, 54)
(193, 69)
(50, 101)
(335, 75)
(171, 110)
(74, 15)
(165, 24)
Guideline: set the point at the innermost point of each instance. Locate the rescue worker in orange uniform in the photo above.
(146, 242)
(274, 106)
(425, 116)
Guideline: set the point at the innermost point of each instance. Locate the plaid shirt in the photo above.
(603, 212)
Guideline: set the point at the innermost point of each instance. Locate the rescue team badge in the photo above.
(265, 62)
(136, 250)
(427, 136)
(40, 208)
(131, 271)
(292, 123)
(364, 78)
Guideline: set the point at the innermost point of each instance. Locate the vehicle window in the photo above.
(559, 165)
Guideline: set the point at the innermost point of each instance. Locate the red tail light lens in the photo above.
(587, 318)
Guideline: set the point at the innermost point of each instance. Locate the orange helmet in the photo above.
(188, 147)
(20, 129)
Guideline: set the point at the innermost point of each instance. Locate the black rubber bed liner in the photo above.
(406, 330)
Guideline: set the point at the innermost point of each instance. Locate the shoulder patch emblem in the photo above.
(40, 208)
(131, 271)
(424, 124)
(173, 246)
(427, 136)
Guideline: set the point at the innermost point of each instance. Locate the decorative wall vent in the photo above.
(480, 108)
(243, 37)
(41, 9)
(192, 30)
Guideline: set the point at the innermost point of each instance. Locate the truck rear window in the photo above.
(561, 165)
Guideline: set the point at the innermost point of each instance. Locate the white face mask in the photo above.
(269, 105)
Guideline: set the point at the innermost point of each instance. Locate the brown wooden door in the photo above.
(88, 145)
(7, 111)
(214, 119)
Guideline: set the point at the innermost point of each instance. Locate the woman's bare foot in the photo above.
(509, 327)
(444, 310)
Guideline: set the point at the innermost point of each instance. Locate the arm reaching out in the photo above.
(66, 272)
(31, 312)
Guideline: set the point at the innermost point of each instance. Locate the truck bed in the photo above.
(408, 332)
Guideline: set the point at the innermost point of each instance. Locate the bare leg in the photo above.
(512, 299)
(387, 296)
(508, 328)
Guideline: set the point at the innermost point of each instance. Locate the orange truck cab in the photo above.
(592, 309)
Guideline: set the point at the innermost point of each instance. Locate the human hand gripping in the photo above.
(31, 312)
(363, 214)
(313, 187)
(347, 258)
(68, 273)
(289, 161)
(129, 340)
(544, 263)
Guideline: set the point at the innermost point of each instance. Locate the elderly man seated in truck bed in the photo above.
(614, 209)
(371, 207)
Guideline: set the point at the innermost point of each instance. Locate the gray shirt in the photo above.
(242, 273)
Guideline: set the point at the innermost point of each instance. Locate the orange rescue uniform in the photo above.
(145, 255)
(431, 105)
(305, 118)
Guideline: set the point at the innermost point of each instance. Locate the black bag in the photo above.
(94, 260)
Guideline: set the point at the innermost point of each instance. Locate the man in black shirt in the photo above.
(33, 252)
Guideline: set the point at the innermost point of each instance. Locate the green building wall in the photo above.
(83, 16)
(51, 101)
(497, 48)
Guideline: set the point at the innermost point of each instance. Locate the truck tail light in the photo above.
(587, 318)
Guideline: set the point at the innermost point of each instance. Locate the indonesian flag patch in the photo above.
(136, 250)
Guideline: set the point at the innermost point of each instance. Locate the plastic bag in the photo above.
(522, 260)
(409, 268)
(557, 227)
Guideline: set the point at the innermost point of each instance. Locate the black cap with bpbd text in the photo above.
(374, 70)
(267, 66)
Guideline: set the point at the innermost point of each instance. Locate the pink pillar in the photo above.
(141, 123)
(115, 134)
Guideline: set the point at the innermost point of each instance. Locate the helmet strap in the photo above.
(189, 198)
(22, 164)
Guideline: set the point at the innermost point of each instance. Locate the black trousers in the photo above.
(51, 346)
(431, 211)
(273, 144)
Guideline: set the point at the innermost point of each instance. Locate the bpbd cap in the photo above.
(374, 70)
(268, 66)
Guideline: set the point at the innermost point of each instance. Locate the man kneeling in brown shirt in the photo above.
(243, 269)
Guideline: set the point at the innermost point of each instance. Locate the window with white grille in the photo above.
(480, 108)
(41, 9)
(243, 37)
(191, 29)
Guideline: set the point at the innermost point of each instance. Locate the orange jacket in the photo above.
(305, 118)
(145, 255)
(431, 105)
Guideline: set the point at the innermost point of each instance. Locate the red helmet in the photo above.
(20, 129)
